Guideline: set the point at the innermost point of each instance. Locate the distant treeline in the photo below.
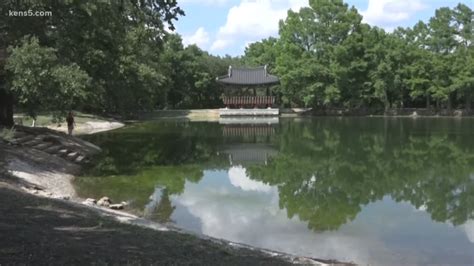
(326, 57)
(118, 57)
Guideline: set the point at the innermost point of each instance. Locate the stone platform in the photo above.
(249, 112)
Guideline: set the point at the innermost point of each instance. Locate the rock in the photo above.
(104, 202)
(124, 203)
(89, 201)
(62, 197)
(116, 206)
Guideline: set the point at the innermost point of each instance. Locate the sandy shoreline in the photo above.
(90, 127)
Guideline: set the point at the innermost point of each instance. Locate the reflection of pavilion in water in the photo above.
(248, 140)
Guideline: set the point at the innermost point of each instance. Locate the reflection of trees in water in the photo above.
(137, 159)
(327, 170)
(129, 150)
(163, 210)
(137, 188)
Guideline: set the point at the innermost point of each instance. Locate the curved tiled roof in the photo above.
(248, 76)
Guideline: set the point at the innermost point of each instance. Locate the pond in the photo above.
(379, 191)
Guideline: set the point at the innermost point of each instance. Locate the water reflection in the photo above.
(380, 191)
(238, 178)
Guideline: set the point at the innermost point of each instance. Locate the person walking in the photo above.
(70, 122)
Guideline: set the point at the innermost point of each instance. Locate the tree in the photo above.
(442, 42)
(309, 40)
(262, 53)
(12, 29)
(116, 43)
(420, 71)
(463, 75)
(41, 83)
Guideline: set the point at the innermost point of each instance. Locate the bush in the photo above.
(7, 134)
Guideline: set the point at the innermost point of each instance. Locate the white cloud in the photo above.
(256, 219)
(200, 38)
(389, 13)
(253, 20)
(238, 178)
(220, 44)
(469, 228)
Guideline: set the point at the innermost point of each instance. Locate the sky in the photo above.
(224, 27)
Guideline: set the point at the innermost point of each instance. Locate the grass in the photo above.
(7, 133)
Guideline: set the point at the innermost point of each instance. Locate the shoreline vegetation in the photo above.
(53, 223)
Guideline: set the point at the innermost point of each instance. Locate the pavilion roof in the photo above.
(248, 76)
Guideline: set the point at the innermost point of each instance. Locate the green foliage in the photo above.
(7, 133)
(116, 57)
(40, 82)
(105, 56)
(191, 75)
(326, 57)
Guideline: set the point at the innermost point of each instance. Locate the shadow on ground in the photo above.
(37, 230)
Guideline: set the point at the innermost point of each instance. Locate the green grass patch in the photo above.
(7, 133)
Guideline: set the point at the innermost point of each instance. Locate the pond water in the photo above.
(379, 191)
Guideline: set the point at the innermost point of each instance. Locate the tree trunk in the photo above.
(6, 108)
(449, 103)
(386, 102)
(468, 102)
(428, 102)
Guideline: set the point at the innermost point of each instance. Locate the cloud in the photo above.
(244, 216)
(389, 13)
(220, 44)
(386, 232)
(238, 178)
(469, 229)
(253, 20)
(200, 38)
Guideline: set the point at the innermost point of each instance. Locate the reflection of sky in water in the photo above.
(328, 170)
(229, 205)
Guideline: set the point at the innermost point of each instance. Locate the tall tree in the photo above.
(115, 42)
(41, 83)
(309, 39)
(463, 74)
